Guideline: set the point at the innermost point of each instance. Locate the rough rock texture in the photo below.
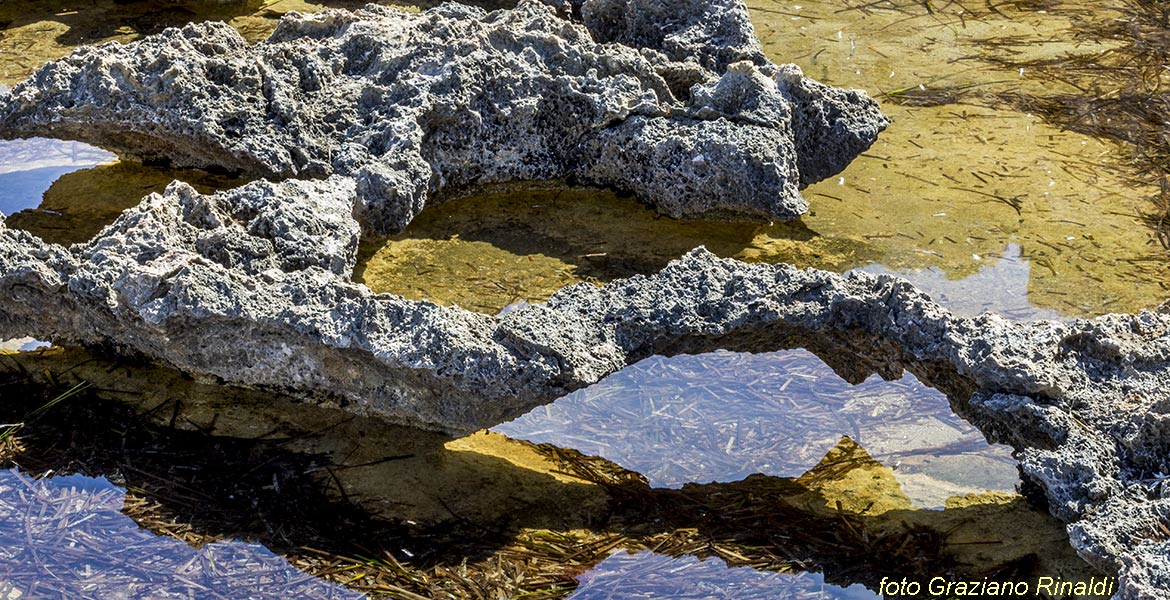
(714, 33)
(252, 287)
(828, 126)
(407, 104)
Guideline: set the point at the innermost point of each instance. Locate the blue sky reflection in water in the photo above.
(1000, 286)
(725, 415)
(66, 537)
(29, 167)
(652, 576)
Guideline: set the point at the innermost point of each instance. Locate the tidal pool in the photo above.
(724, 416)
(958, 180)
(954, 184)
(723, 459)
(384, 508)
(29, 167)
(649, 575)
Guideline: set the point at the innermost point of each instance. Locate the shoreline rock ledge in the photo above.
(366, 114)
(252, 287)
(409, 104)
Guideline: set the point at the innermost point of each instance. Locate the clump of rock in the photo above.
(406, 105)
(366, 115)
(252, 287)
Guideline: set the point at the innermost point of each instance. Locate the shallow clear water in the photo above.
(29, 167)
(726, 415)
(983, 207)
(66, 537)
(650, 575)
(999, 286)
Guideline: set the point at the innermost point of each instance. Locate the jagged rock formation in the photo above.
(408, 104)
(251, 287)
(714, 33)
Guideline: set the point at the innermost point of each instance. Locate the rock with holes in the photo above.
(252, 287)
(696, 123)
(714, 33)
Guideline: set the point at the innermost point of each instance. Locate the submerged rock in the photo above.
(408, 104)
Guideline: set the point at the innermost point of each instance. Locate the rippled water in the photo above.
(649, 575)
(66, 537)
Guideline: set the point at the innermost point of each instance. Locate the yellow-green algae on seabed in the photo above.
(947, 187)
(487, 251)
(77, 205)
(937, 188)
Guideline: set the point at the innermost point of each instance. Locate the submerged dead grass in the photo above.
(202, 488)
(1122, 92)
(1123, 97)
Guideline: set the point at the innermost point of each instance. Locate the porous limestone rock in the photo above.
(251, 287)
(714, 33)
(697, 123)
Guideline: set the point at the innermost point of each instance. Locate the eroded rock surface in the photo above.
(252, 287)
(696, 122)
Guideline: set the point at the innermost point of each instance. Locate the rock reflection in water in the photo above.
(651, 575)
(66, 537)
(725, 415)
(29, 167)
(482, 515)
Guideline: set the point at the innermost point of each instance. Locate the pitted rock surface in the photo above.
(251, 287)
(369, 113)
(697, 123)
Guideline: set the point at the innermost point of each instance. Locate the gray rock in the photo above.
(251, 287)
(230, 286)
(695, 122)
(715, 33)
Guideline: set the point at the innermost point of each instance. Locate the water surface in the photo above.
(725, 415)
(29, 167)
(66, 537)
(981, 205)
(650, 575)
(378, 505)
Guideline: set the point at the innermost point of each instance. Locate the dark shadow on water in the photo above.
(261, 487)
(92, 22)
(845, 517)
(603, 235)
(99, 20)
